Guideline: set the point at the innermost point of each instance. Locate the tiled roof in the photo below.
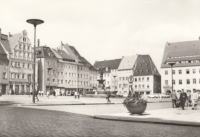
(127, 62)
(145, 66)
(56, 53)
(3, 54)
(70, 52)
(82, 59)
(13, 40)
(5, 42)
(112, 64)
(64, 55)
(45, 52)
(181, 51)
(75, 51)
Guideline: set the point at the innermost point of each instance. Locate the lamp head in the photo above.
(35, 22)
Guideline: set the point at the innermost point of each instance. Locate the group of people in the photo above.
(182, 99)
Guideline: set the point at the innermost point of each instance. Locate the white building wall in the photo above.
(123, 84)
(191, 76)
(141, 83)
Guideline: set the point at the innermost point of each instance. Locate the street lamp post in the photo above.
(34, 22)
(171, 64)
(114, 82)
(49, 77)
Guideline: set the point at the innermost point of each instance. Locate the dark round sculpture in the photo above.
(136, 108)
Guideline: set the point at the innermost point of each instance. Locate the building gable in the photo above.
(145, 66)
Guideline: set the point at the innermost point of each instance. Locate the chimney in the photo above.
(0, 34)
(61, 46)
(38, 42)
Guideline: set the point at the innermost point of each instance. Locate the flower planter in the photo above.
(136, 108)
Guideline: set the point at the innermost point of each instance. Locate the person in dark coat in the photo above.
(108, 96)
(183, 97)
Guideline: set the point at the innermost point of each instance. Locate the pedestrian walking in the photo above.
(78, 94)
(174, 98)
(36, 94)
(31, 92)
(42, 92)
(187, 102)
(75, 94)
(48, 93)
(10, 91)
(108, 96)
(183, 97)
(54, 93)
(194, 98)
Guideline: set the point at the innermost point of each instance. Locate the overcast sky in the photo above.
(105, 29)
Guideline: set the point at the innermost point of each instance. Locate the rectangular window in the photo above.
(143, 86)
(147, 78)
(194, 81)
(187, 71)
(173, 71)
(166, 82)
(143, 79)
(166, 72)
(174, 82)
(23, 76)
(135, 79)
(53, 80)
(135, 86)
(119, 85)
(4, 75)
(194, 71)
(47, 79)
(147, 86)
(180, 71)
(139, 86)
(180, 81)
(61, 81)
(139, 79)
(188, 81)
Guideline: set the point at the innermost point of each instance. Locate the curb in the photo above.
(62, 104)
(147, 120)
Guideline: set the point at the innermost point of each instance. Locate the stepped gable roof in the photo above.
(145, 66)
(181, 51)
(111, 64)
(3, 54)
(70, 52)
(45, 52)
(5, 42)
(127, 62)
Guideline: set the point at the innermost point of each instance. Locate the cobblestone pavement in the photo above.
(27, 122)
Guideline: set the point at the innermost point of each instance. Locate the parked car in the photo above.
(153, 96)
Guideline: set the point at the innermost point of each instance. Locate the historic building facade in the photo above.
(125, 70)
(47, 69)
(110, 72)
(186, 70)
(4, 64)
(147, 79)
(20, 55)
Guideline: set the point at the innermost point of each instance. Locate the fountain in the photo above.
(101, 86)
